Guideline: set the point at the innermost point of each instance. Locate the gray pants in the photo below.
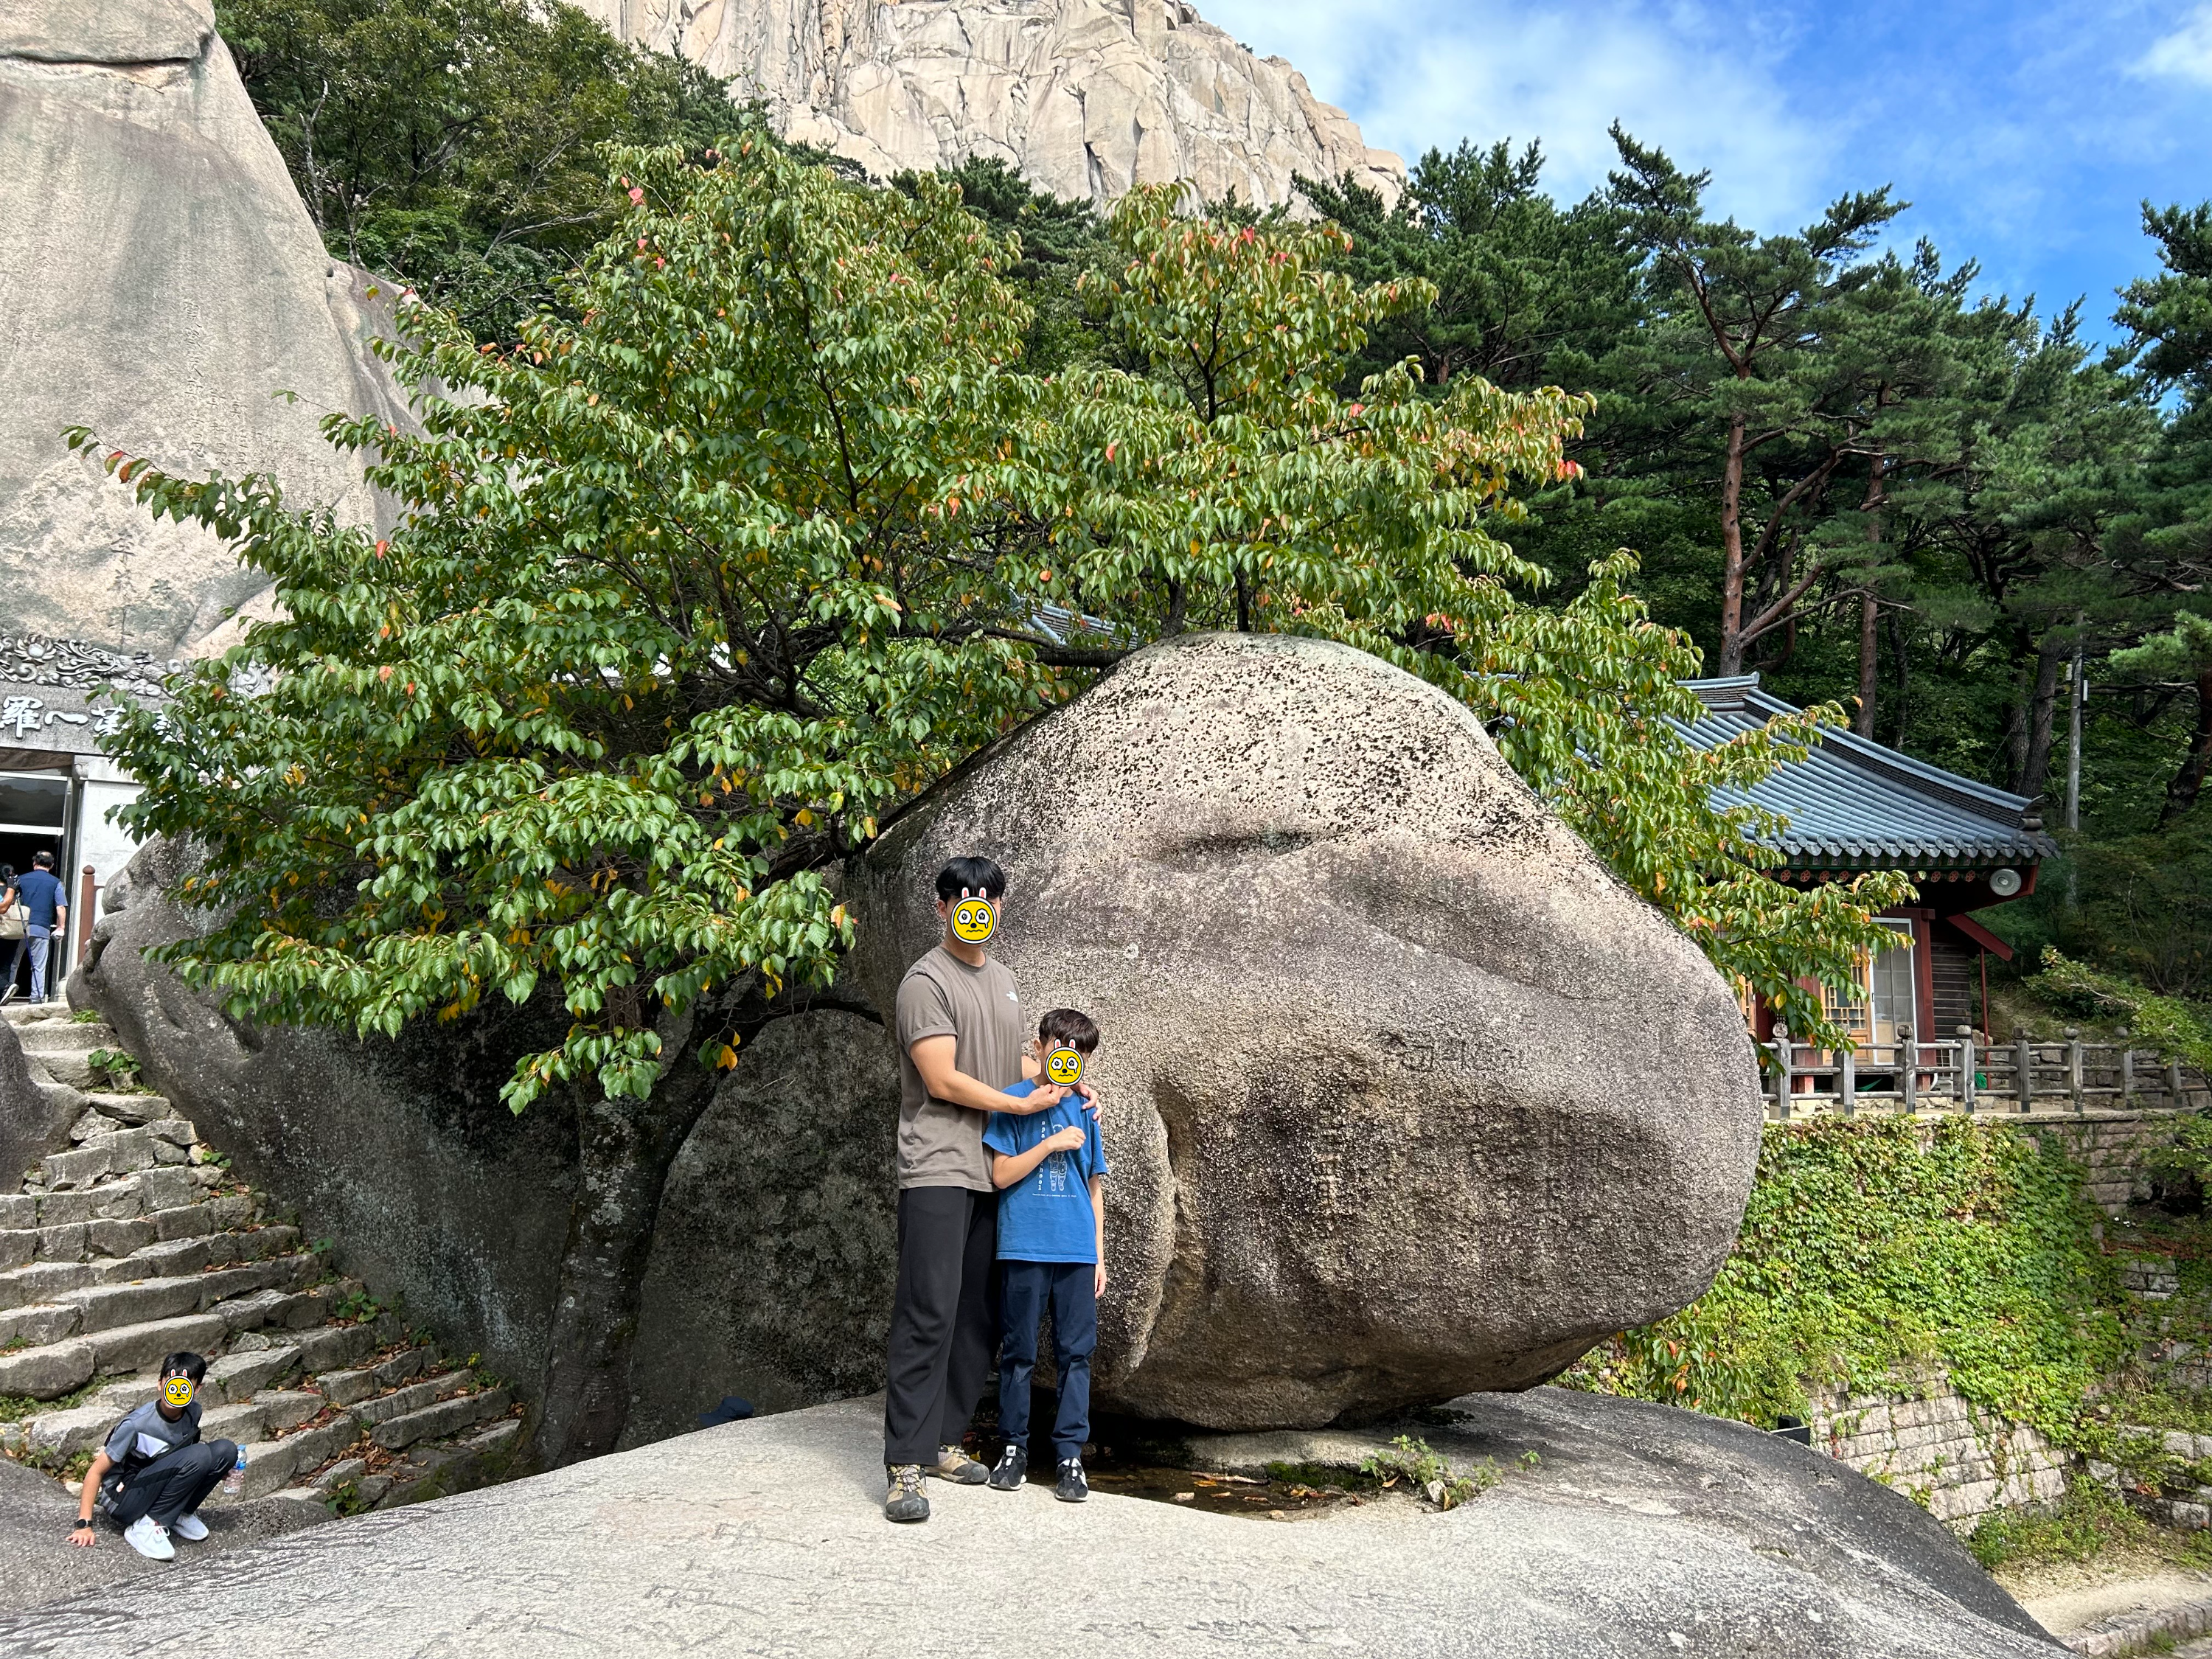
(41, 940)
(176, 1483)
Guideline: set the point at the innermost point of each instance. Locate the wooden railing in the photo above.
(1966, 1075)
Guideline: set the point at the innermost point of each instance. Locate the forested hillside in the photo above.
(1845, 464)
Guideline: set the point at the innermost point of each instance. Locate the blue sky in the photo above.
(2026, 135)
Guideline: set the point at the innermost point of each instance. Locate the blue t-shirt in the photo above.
(1046, 1216)
(41, 891)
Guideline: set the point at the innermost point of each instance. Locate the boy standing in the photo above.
(1052, 1250)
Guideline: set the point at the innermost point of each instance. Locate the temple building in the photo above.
(1853, 806)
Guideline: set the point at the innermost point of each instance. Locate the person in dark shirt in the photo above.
(155, 1471)
(38, 891)
(11, 926)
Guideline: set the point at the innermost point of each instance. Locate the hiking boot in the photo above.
(905, 1501)
(1013, 1465)
(954, 1465)
(1072, 1487)
(148, 1540)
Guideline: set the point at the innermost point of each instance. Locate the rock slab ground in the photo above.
(1640, 1531)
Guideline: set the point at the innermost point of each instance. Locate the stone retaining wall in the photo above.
(1958, 1460)
(2114, 1148)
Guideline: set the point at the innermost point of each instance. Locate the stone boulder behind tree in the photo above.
(165, 287)
(1406, 1094)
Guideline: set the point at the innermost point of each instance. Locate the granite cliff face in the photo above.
(1083, 97)
(160, 282)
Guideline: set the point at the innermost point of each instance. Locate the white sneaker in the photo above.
(190, 1527)
(148, 1540)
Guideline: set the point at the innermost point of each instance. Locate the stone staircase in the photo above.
(134, 1241)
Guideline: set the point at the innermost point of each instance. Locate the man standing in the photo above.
(960, 1036)
(45, 914)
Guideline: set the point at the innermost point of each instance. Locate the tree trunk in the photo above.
(625, 1148)
(1870, 607)
(1869, 663)
(2181, 792)
(1733, 644)
(1900, 654)
(2035, 758)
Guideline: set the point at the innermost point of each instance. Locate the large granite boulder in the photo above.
(774, 1257)
(1406, 1094)
(1085, 98)
(164, 287)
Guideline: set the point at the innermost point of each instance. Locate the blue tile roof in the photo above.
(1853, 804)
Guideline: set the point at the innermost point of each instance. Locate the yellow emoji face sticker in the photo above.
(975, 920)
(177, 1391)
(1063, 1066)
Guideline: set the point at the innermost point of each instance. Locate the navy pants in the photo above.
(1070, 1289)
(176, 1483)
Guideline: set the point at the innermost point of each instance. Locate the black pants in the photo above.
(1070, 1290)
(176, 1483)
(945, 1319)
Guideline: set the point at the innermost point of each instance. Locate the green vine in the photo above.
(1876, 1246)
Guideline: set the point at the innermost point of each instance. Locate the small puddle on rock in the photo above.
(1267, 1499)
(1135, 1459)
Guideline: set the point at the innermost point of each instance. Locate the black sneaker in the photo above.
(905, 1500)
(1014, 1465)
(1072, 1487)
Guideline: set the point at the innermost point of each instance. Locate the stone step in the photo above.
(130, 1110)
(164, 1188)
(270, 1465)
(446, 1419)
(43, 1037)
(371, 1412)
(34, 1013)
(128, 1151)
(263, 1417)
(347, 1388)
(69, 1068)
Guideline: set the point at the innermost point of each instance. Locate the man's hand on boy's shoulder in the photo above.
(1088, 1097)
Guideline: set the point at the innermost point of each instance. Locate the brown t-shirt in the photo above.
(941, 1145)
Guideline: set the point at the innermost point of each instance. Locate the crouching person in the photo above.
(155, 1472)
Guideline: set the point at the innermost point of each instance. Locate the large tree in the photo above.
(751, 540)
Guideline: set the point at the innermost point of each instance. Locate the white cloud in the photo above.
(1417, 73)
(2185, 54)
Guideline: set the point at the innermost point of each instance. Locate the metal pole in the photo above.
(2024, 1074)
(2127, 1071)
(1782, 1073)
(1847, 1086)
(1908, 1058)
(2074, 1065)
(1965, 1068)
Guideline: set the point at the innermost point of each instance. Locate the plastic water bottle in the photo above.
(234, 1482)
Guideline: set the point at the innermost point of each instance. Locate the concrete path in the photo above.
(1636, 1531)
